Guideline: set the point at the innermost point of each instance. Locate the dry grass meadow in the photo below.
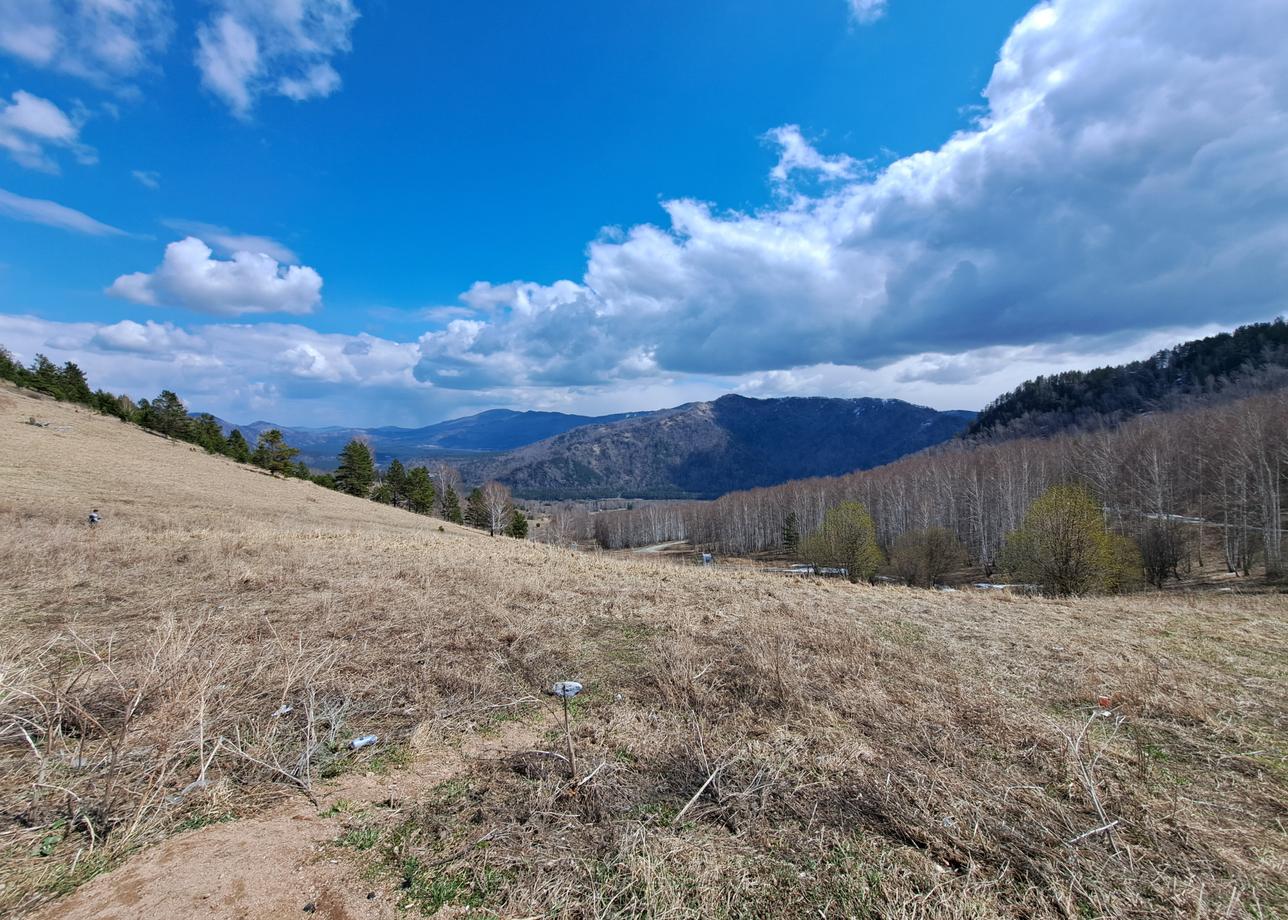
(747, 746)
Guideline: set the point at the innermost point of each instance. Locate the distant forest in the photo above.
(1108, 395)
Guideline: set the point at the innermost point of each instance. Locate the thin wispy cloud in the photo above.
(53, 214)
(226, 241)
(251, 48)
(866, 12)
(104, 41)
(33, 130)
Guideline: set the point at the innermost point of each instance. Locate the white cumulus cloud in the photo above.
(249, 48)
(249, 282)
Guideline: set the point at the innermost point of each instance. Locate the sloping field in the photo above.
(747, 746)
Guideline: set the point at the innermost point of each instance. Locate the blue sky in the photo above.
(329, 211)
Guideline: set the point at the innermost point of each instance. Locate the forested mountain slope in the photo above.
(706, 449)
(1253, 357)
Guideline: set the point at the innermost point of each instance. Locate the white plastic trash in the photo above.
(364, 741)
(566, 689)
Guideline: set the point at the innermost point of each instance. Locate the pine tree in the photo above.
(518, 527)
(791, 533)
(237, 448)
(207, 433)
(357, 470)
(452, 507)
(45, 377)
(420, 490)
(144, 417)
(74, 385)
(396, 480)
(476, 513)
(170, 416)
(272, 452)
(111, 404)
(10, 369)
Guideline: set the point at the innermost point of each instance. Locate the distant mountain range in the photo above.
(698, 450)
(494, 430)
(704, 449)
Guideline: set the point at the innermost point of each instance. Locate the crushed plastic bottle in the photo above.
(364, 741)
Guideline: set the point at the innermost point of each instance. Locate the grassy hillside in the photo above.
(747, 746)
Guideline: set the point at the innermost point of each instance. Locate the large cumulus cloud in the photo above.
(1126, 175)
(250, 282)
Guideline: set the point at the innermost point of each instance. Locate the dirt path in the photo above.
(278, 864)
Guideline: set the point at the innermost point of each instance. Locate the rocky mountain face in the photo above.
(701, 450)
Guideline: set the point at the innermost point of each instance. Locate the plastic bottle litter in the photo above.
(566, 688)
(364, 741)
(284, 710)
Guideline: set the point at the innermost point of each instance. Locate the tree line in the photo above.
(420, 490)
(166, 415)
(429, 490)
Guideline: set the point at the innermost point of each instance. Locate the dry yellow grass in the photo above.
(859, 751)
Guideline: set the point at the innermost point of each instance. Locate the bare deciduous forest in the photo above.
(1204, 475)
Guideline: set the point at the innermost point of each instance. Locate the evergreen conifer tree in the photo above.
(74, 385)
(170, 416)
(237, 448)
(396, 480)
(45, 377)
(452, 507)
(476, 513)
(273, 454)
(10, 369)
(357, 470)
(518, 526)
(207, 433)
(420, 490)
(791, 533)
